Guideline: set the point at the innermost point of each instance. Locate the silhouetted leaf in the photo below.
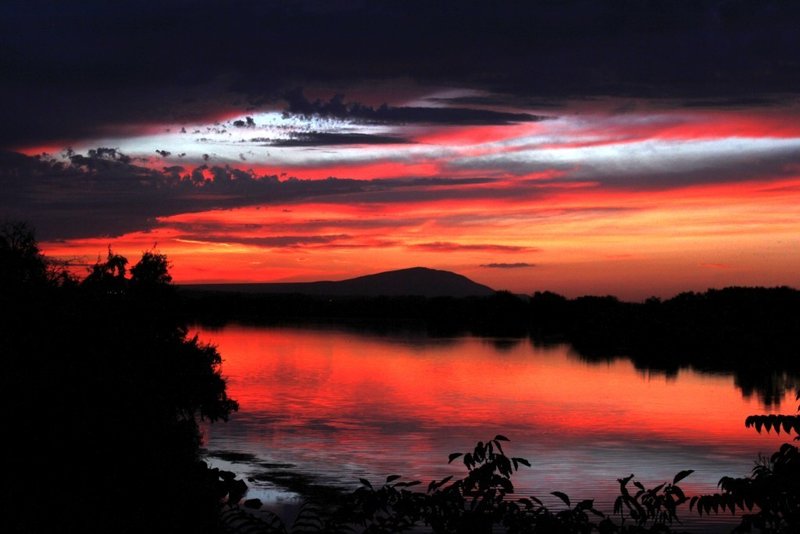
(436, 485)
(499, 447)
(365, 482)
(523, 461)
(500, 437)
(682, 474)
(562, 496)
(770, 422)
(715, 502)
(788, 424)
(618, 505)
(453, 456)
(479, 452)
(504, 465)
(731, 504)
(392, 478)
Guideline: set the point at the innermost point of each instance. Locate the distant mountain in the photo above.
(416, 281)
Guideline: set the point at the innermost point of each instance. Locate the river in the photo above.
(337, 405)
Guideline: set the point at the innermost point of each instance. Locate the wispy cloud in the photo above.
(440, 246)
(280, 241)
(518, 265)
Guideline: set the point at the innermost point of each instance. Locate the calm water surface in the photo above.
(339, 405)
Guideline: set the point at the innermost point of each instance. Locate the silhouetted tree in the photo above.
(104, 381)
(109, 275)
(21, 263)
(152, 270)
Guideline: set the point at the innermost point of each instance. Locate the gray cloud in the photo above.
(106, 193)
(651, 164)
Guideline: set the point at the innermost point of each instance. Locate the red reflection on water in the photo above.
(308, 377)
(339, 406)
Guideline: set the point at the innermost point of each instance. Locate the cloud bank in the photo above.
(76, 72)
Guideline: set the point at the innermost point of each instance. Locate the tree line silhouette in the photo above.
(747, 331)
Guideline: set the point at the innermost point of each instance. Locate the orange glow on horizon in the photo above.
(523, 195)
(672, 236)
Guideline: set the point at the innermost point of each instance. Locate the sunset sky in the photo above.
(583, 147)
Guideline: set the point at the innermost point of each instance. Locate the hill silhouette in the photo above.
(415, 281)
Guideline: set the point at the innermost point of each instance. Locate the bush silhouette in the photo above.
(103, 393)
(771, 493)
(480, 502)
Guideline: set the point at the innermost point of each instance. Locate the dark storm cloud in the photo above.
(336, 107)
(104, 194)
(71, 69)
(311, 139)
(502, 100)
(107, 193)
